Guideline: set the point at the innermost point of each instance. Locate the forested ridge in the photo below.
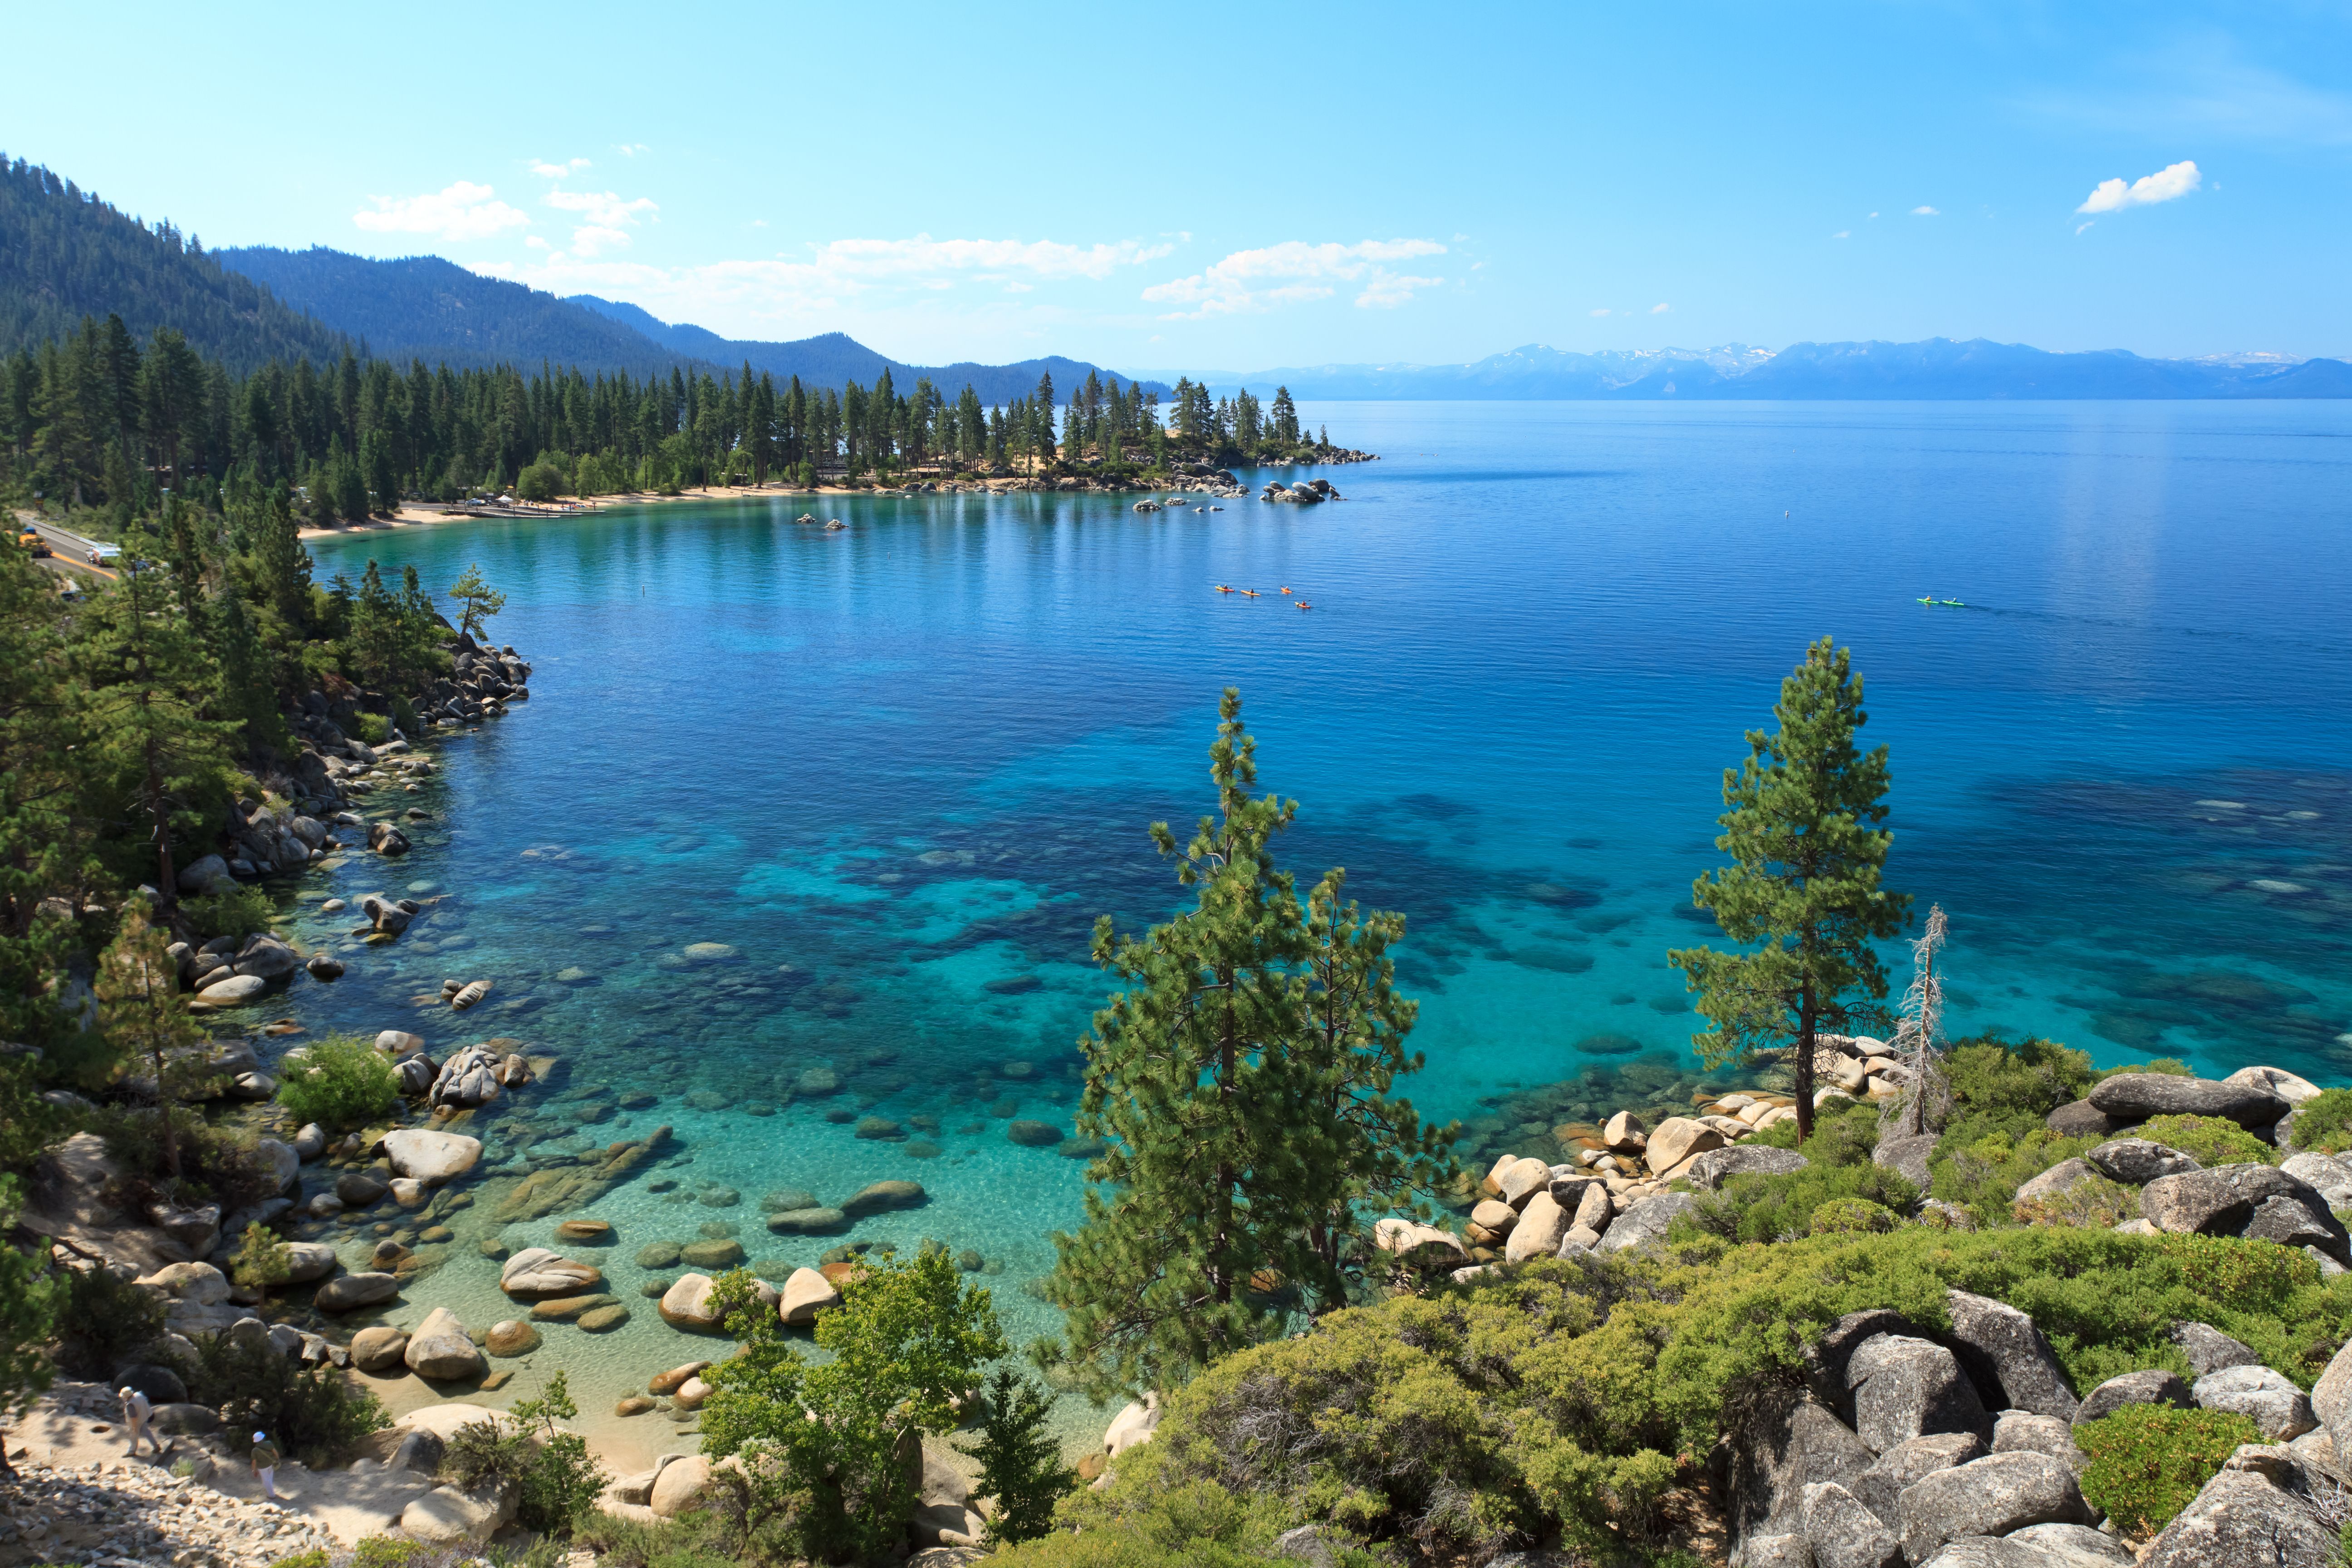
(64, 255)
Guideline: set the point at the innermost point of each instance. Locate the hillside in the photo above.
(66, 253)
(835, 358)
(421, 307)
(1939, 368)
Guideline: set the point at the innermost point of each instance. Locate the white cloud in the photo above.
(818, 290)
(2166, 185)
(630, 149)
(460, 212)
(1294, 271)
(546, 171)
(1601, 311)
(1921, 212)
(1660, 309)
(533, 241)
(605, 218)
(1874, 215)
(2084, 224)
(1843, 234)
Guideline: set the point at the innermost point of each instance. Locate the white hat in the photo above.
(126, 1391)
(259, 1437)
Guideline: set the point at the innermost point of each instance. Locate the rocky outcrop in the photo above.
(2136, 1161)
(1778, 1441)
(2259, 1509)
(1900, 1465)
(2245, 1200)
(441, 1351)
(565, 1188)
(1645, 1223)
(2279, 1410)
(2008, 1358)
(1712, 1169)
(1904, 1388)
(2135, 1096)
(2155, 1386)
(431, 1157)
(536, 1273)
(1842, 1533)
(1992, 1496)
(349, 1292)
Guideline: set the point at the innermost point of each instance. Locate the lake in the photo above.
(899, 769)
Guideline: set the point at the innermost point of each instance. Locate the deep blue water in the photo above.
(894, 765)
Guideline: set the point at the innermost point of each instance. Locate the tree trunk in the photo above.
(1801, 1077)
(164, 1105)
(1222, 1270)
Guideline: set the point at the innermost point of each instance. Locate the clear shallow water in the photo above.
(900, 769)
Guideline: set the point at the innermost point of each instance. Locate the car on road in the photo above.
(35, 545)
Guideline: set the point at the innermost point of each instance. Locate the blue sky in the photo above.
(1252, 187)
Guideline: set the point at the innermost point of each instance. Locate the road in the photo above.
(72, 551)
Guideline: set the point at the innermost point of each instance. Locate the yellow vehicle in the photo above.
(33, 542)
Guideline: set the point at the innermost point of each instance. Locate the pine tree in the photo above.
(1802, 893)
(149, 685)
(478, 601)
(1239, 1079)
(140, 1010)
(1020, 1460)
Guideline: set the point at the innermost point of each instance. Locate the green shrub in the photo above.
(819, 1443)
(1980, 1168)
(553, 1478)
(2015, 1086)
(1782, 1208)
(2148, 1461)
(1141, 1522)
(2093, 1201)
(1851, 1217)
(2208, 1140)
(315, 1558)
(376, 728)
(1844, 1134)
(2170, 1067)
(2323, 1123)
(486, 1452)
(311, 1411)
(343, 1081)
(234, 909)
(703, 1538)
(386, 1551)
(106, 1319)
(1552, 1400)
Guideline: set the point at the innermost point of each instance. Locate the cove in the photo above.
(896, 772)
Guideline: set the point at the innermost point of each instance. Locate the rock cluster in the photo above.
(130, 1510)
(1955, 1449)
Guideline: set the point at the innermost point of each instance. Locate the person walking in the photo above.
(265, 1466)
(138, 1414)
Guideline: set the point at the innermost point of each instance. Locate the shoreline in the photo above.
(1217, 483)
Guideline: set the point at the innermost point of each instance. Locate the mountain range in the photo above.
(65, 254)
(1935, 369)
(421, 307)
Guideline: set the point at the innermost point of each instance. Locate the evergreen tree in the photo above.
(1239, 1080)
(149, 684)
(1020, 1460)
(1803, 894)
(31, 1296)
(477, 599)
(140, 1009)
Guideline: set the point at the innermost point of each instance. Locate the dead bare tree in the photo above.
(1926, 1099)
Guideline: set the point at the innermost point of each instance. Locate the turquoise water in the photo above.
(899, 769)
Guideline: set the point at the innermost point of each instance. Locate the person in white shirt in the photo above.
(138, 1414)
